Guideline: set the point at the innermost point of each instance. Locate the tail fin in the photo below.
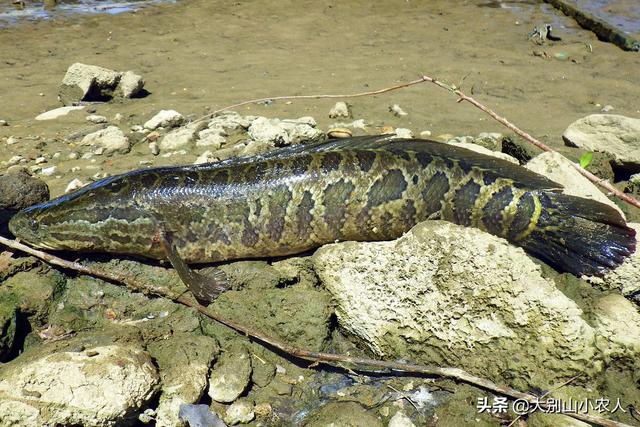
(579, 236)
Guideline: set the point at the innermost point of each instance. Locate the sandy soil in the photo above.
(200, 54)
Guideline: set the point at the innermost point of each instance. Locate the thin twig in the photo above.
(591, 177)
(337, 360)
(294, 97)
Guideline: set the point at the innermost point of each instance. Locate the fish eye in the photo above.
(33, 225)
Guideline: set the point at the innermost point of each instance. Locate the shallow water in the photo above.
(624, 14)
(35, 10)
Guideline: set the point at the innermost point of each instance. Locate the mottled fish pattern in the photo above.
(297, 198)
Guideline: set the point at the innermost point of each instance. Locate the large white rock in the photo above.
(608, 133)
(82, 81)
(231, 374)
(110, 139)
(284, 132)
(99, 386)
(454, 296)
(559, 169)
(164, 118)
(130, 84)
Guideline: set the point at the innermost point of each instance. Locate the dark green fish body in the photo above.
(295, 199)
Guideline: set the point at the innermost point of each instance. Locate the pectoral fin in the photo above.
(204, 288)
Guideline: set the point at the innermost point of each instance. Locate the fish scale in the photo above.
(297, 198)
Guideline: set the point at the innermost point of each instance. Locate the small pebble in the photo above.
(14, 160)
(398, 111)
(40, 160)
(75, 169)
(98, 151)
(341, 109)
(72, 155)
(87, 156)
(153, 147)
(607, 108)
(145, 162)
(12, 140)
(48, 171)
(34, 168)
(153, 136)
(339, 133)
(137, 128)
(403, 133)
(118, 117)
(425, 133)
(4, 123)
(281, 369)
(74, 185)
(97, 119)
(56, 155)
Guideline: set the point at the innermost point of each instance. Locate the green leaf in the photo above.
(585, 160)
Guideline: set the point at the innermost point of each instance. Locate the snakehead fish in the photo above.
(297, 198)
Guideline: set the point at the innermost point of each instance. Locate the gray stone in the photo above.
(212, 138)
(164, 118)
(403, 133)
(454, 296)
(111, 140)
(179, 385)
(97, 119)
(230, 376)
(616, 135)
(398, 111)
(180, 138)
(240, 411)
(399, 419)
(341, 109)
(559, 169)
(284, 132)
(87, 82)
(19, 190)
(131, 84)
(101, 385)
(58, 112)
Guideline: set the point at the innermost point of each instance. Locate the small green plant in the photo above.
(585, 160)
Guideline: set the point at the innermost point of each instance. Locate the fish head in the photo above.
(102, 216)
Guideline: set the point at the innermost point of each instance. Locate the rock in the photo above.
(87, 83)
(240, 411)
(130, 85)
(339, 133)
(165, 118)
(607, 108)
(398, 111)
(8, 320)
(480, 149)
(341, 109)
(19, 190)
(263, 371)
(199, 416)
(559, 169)
(12, 140)
(4, 123)
(73, 185)
(284, 132)
(111, 140)
(184, 361)
(231, 374)
(97, 119)
(48, 171)
(399, 419)
(617, 322)
(425, 134)
(153, 147)
(454, 296)
(403, 133)
(625, 278)
(58, 112)
(180, 138)
(519, 149)
(212, 137)
(95, 386)
(609, 133)
(347, 414)
(205, 157)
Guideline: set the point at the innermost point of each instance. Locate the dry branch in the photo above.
(337, 360)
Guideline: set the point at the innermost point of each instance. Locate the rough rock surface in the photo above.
(184, 363)
(347, 414)
(180, 138)
(457, 296)
(131, 84)
(164, 118)
(240, 411)
(625, 278)
(114, 380)
(19, 190)
(399, 419)
(110, 139)
(231, 374)
(340, 110)
(284, 132)
(559, 169)
(87, 82)
(609, 133)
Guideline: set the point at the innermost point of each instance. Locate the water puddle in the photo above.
(17, 11)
